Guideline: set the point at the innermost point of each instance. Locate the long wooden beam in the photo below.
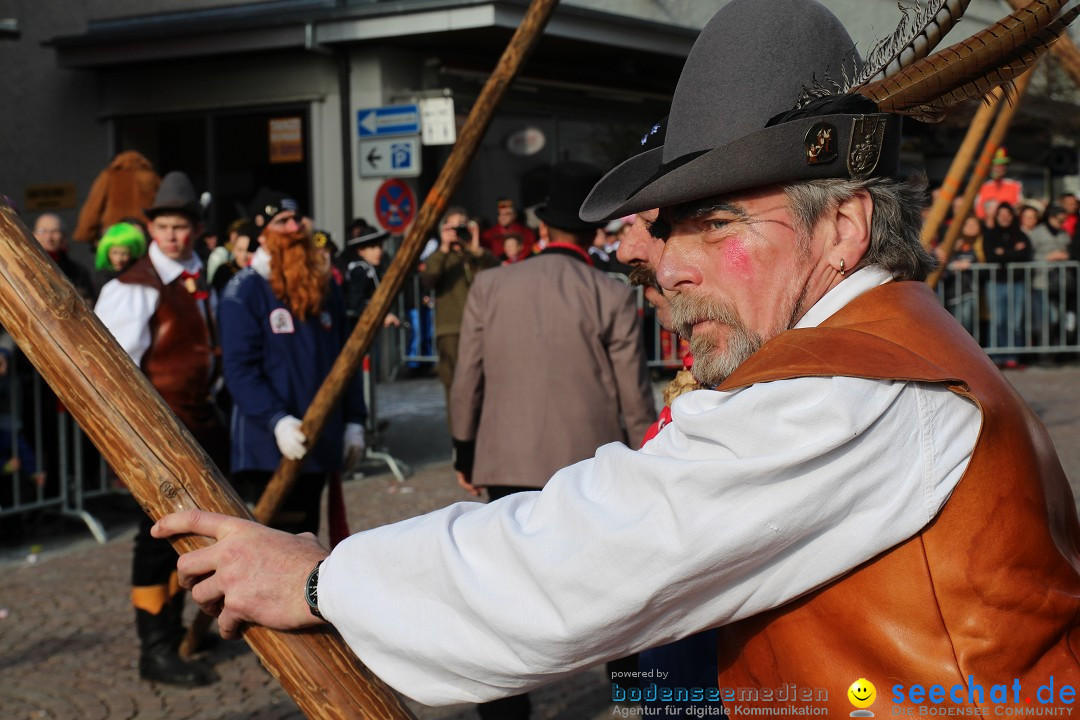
(348, 362)
(958, 169)
(982, 169)
(157, 458)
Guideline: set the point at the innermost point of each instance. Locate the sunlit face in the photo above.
(174, 235)
(49, 233)
(1003, 216)
(372, 254)
(1029, 218)
(511, 247)
(284, 222)
(736, 274)
(119, 257)
(242, 250)
(972, 226)
(448, 230)
(642, 252)
(506, 215)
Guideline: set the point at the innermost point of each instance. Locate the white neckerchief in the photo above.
(849, 288)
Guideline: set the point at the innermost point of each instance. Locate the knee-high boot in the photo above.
(158, 610)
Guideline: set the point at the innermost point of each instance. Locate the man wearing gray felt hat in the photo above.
(860, 496)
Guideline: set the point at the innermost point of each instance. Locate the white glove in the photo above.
(290, 440)
(354, 444)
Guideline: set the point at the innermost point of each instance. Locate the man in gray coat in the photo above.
(551, 362)
(551, 365)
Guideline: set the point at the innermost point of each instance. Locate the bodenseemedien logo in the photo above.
(862, 695)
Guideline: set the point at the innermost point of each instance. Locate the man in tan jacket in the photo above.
(551, 362)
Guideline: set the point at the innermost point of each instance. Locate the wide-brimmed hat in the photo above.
(735, 121)
(568, 185)
(365, 236)
(176, 194)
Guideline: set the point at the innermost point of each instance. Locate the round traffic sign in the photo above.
(395, 205)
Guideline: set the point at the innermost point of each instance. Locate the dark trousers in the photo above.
(300, 510)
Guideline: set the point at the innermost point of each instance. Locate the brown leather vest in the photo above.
(989, 589)
(179, 361)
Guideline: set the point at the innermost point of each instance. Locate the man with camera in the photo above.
(449, 272)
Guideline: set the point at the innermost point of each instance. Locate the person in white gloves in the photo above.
(282, 322)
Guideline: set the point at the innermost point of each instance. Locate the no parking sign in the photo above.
(395, 205)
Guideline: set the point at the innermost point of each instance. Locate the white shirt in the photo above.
(125, 308)
(745, 501)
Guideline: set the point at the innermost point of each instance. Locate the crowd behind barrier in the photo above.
(1030, 309)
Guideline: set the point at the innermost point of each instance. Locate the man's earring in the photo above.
(841, 267)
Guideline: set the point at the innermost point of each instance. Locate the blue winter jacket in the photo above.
(274, 365)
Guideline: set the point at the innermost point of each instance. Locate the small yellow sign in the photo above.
(286, 140)
(56, 196)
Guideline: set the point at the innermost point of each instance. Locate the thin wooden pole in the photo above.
(348, 362)
(158, 459)
(982, 168)
(959, 167)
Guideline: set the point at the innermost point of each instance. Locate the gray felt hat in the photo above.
(176, 194)
(734, 125)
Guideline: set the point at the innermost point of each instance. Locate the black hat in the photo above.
(568, 185)
(268, 203)
(733, 124)
(176, 194)
(365, 235)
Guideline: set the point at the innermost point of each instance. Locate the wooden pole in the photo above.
(160, 462)
(982, 168)
(959, 167)
(348, 362)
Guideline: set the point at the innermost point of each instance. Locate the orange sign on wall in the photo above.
(286, 140)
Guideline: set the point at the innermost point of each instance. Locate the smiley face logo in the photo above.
(862, 693)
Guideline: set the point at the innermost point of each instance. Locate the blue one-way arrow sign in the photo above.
(389, 120)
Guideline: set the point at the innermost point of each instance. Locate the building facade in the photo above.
(274, 92)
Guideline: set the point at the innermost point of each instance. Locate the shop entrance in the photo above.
(230, 153)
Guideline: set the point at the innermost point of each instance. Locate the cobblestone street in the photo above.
(67, 637)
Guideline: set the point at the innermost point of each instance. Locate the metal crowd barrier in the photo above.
(1024, 308)
(1019, 309)
(46, 462)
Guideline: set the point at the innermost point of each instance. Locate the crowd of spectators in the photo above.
(1000, 281)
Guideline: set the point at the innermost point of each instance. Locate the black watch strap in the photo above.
(311, 591)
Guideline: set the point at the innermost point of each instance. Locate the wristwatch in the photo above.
(311, 591)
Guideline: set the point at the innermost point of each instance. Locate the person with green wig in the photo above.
(120, 246)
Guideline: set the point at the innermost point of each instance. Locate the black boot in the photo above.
(159, 639)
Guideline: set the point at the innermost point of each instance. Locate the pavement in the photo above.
(67, 640)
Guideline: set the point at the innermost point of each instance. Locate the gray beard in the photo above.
(713, 364)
